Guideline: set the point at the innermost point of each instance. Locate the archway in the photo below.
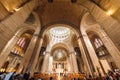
(93, 26)
(19, 44)
(59, 56)
(62, 35)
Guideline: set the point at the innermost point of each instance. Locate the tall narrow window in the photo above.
(18, 51)
(21, 45)
(98, 45)
(101, 51)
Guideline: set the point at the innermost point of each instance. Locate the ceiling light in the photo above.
(109, 12)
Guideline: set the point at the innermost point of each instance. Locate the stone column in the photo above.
(112, 49)
(28, 54)
(45, 63)
(6, 51)
(50, 66)
(35, 60)
(37, 69)
(68, 65)
(74, 62)
(84, 57)
(92, 55)
(71, 63)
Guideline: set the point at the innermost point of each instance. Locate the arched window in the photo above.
(104, 57)
(18, 51)
(21, 45)
(98, 45)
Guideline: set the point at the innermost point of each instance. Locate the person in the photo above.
(32, 78)
(74, 79)
(2, 75)
(8, 76)
(90, 77)
(51, 78)
(26, 76)
(117, 75)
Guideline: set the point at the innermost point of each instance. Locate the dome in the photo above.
(60, 33)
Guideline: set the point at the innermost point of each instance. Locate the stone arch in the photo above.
(48, 27)
(107, 42)
(96, 28)
(24, 28)
(84, 26)
(55, 24)
(60, 45)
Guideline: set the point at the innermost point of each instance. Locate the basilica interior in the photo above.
(57, 37)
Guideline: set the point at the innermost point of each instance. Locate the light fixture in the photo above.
(17, 9)
(109, 12)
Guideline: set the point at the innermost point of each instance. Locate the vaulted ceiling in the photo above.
(59, 10)
(64, 11)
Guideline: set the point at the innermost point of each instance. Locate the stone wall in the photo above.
(11, 24)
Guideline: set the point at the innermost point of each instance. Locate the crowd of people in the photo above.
(14, 76)
(111, 75)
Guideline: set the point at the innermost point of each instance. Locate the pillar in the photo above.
(27, 56)
(84, 57)
(50, 66)
(112, 49)
(68, 65)
(6, 51)
(93, 56)
(35, 60)
(74, 62)
(71, 63)
(45, 63)
(37, 69)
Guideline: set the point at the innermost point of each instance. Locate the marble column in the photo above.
(35, 60)
(50, 66)
(84, 57)
(93, 56)
(68, 65)
(71, 63)
(37, 69)
(6, 51)
(74, 62)
(112, 49)
(45, 63)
